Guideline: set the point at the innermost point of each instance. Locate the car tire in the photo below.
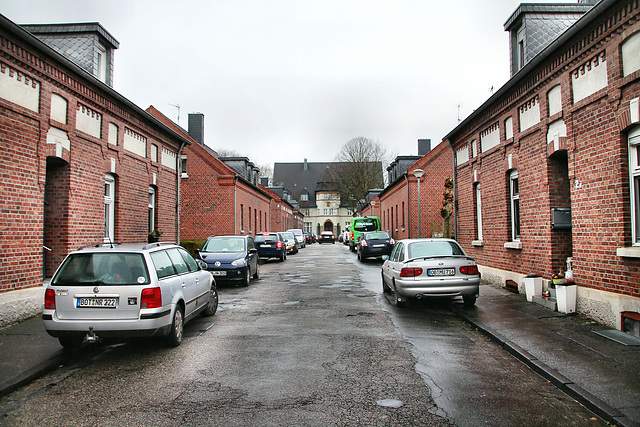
(399, 301)
(70, 343)
(469, 300)
(295, 251)
(245, 278)
(385, 289)
(256, 275)
(212, 305)
(283, 257)
(174, 338)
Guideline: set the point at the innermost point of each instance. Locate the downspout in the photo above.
(406, 178)
(235, 207)
(455, 192)
(178, 179)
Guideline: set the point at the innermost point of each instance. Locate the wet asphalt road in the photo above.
(312, 342)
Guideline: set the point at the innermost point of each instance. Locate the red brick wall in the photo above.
(74, 210)
(589, 174)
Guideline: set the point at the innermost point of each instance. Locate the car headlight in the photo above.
(239, 262)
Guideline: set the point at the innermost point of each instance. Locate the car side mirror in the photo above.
(202, 264)
(385, 257)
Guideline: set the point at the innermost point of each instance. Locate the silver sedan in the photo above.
(420, 268)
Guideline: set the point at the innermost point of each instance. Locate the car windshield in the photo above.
(367, 224)
(378, 235)
(265, 238)
(434, 248)
(288, 236)
(102, 269)
(224, 244)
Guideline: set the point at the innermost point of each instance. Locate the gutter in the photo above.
(178, 180)
(455, 192)
(235, 205)
(406, 178)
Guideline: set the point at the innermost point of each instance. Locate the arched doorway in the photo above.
(328, 225)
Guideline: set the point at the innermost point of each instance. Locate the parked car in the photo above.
(299, 237)
(361, 225)
(327, 237)
(270, 245)
(290, 241)
(308, 238)
(374, 244)
(231, 259)
(127, 291)
(420, 268)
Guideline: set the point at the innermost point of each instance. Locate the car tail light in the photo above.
(410, 272)
(469, 269)
(151, 298)
(50, 299)
(279, 245)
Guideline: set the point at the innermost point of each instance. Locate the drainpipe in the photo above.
(455, 192)
(179, 178)
(406, 178)
(235, 207)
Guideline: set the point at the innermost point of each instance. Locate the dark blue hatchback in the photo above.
(231, 259)
(270, 245)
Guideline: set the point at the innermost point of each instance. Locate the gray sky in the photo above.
(284, 80)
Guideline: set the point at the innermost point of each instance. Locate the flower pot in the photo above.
(532, 287)
(566, 297)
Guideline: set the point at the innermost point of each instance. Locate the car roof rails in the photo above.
(156, 244)
(97, 245)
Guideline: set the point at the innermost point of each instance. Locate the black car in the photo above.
(374, 244)
(231, 259)
(327, 237)
(270, 245)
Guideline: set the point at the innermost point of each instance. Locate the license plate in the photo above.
(265, 246)
(441, 272)
(96, 302)
(379, 246)
(219, 273)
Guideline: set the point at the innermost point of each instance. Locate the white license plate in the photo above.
(96, 302)
(379, 246)
(219, 273)
(265, 246)
(441, 272)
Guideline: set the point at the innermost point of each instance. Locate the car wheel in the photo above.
(70, 343)
(174, 338)
(469, 300)
(385, 289)
(398, 300)
(295, 251)
(256, 275)
(245, 278)
(283, 257)
(212, 305)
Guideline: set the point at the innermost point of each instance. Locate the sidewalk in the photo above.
(600, 373)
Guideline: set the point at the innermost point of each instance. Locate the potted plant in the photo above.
(154, 235)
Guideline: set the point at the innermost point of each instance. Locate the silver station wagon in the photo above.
(127, 291)
(420, 268)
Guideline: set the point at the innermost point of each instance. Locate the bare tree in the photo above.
(226, 152)
(357, 169)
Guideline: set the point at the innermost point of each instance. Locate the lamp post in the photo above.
(418, 174)
(373, 204)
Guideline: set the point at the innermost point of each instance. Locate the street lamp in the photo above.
(373, 204)
(418, 174)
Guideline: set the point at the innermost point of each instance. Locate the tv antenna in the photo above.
(177, 106)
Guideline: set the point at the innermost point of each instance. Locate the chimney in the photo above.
(424, 146)
(196, 127)
(264, 181)
(306, 165)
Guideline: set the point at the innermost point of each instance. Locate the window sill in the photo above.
(629, 252)
(513, 245)
(477, 243)
(184, 175)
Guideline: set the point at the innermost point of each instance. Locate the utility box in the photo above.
(560, 218)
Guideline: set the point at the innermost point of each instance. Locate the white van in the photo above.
(300, 240)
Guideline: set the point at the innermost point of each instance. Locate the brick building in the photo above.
(397, 204)
(80, 163)
(548, 167)
(222, 195)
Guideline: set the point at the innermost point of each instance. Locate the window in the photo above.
(183, 166)
(520, 52)
(514, 198)
(152, 209)
(634, 175)
(304, 197)
(154, 153)
(109, 207)
(101, 71)
(478, 213)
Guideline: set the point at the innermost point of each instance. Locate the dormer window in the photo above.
(102, 64)
(304, 197)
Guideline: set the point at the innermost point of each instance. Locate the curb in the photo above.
(11, 385)
(588, 400)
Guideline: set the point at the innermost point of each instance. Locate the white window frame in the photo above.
(101, 71)
(634, 184)
(183, 167)
(152, 209)
(514, 205)
(304, 197)
(479, 212)
(109, 208)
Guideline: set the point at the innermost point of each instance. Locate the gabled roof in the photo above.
(295, 177)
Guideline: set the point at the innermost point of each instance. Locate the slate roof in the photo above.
(295, 177)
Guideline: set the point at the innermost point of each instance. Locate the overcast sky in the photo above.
(285, 80)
